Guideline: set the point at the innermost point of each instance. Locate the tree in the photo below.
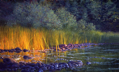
(99, 12)
(34, 14)
(67, 19)
(84, 26)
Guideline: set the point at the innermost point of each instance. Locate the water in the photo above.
(100, 58)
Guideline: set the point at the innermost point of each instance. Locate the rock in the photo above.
(27, 57)
(22, 63)
(88, 63)
(44, 68)
(70, 65)
(67, 66)
(80, 62)
(31, 64)
(12, 50)
(25, 50)
(51, 68)
(8, 60)
(36, 67)
(48, 67)
(40, 70)
(56, 65)
(17, 50)
(8, 69)
(1, 51)
(63, 49)
(24, 70)
(62, 65)
(76, 45)
(2, 65)
(5, 50)
(74, 64)
(62, 45)
(14, 65)
(70, 46)
(38, 64)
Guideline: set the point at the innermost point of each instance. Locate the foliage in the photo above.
(101, 13)
(36, 15)
(6, 8)
(84, 26)
(68, 20)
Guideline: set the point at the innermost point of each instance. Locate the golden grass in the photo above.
(30, 38)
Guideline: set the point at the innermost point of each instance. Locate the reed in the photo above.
(40, 39)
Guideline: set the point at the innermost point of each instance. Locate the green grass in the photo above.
(11, 37)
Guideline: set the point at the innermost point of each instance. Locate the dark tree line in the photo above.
(104, 14)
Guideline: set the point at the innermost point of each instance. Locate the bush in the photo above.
(83, 25)
(68, 20)
(35, 15)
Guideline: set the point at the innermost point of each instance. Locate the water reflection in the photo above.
(101, 58)
(36, 56)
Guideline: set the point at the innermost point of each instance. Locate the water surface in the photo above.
(102, 58)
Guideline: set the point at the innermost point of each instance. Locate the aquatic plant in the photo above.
(40, 39)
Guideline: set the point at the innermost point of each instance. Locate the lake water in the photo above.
(103, 58)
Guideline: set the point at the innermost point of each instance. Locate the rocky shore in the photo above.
(11, 65)
(61, 47)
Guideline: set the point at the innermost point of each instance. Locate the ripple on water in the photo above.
(87, 53)
(112, 50)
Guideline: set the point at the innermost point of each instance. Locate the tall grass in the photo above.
(30, 38)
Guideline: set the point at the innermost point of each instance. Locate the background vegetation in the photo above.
(40, 24)
(59, 14)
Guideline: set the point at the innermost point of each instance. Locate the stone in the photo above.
(31, 64)
(62, 45)
(24, 70)
(12, 50)
(27, 57)
(56, 65)
(15, 65)
(36, 67)
(88, 63)
(67, 66)
(80, 62)
(5, 50)
(38, 64)
(40, 70)
(62, 65)
(52, 68)
(44, 68)
(76, 45)
(8, 60)
(17, 50)
(1, 51)
(25, 50)
(70, 46)
(2, 65)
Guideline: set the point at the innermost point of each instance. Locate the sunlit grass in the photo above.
(40, 39)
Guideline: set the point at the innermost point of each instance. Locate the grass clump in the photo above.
(30, 38)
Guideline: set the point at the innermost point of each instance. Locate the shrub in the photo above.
(83, 25)
(34, 14)
(68, 20)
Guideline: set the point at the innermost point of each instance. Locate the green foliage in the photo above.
(36, 15)
(83, 25)
(68, 20)
(100, 13)
(100, 10)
